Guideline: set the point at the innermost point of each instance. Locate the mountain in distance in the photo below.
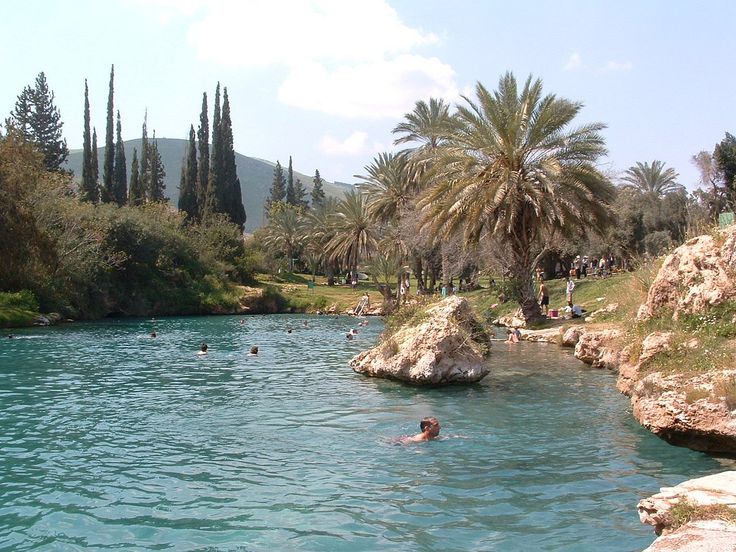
(256, 176)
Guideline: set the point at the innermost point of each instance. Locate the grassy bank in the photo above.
(18, 309)
(301, 297)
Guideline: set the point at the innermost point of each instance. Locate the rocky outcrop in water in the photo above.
(700, 504)
(446, 346)
(599, 348)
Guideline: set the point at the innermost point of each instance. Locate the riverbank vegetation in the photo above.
(505, 186)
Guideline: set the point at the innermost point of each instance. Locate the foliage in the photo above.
(652, 179)
(88, 190)
(39, 120)
(514, 168)
(318, 192)
(108, 164)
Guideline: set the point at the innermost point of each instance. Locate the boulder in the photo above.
(689, 411)
(654, 344)
(571, 336)
(548, 335)
(513, 320)
(696, 275)
(446, 347)
(598, 349)
(705, 532)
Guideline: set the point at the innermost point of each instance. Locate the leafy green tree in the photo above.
(318, 191)
(203, 168)
(120, 171)
(189, 180)
(212, 199)
(278, 185)
(108, 163)
(389, 187)
(137, 194)
(514, 170)
(355, 235)
(157, 173)
(231, 192)
(39, 120)
(290, 192)
(88, 190)
(725, 158)
(95, 162)
(653, 179)
(145, 162)
(300, 195)
(286, 231)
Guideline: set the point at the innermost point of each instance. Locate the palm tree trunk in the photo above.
(526, 294)
(445, 268)
(419, 273)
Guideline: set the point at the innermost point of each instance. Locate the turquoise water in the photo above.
(111, 439)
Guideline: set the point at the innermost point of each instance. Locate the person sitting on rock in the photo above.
(511, 336)
(430, 429)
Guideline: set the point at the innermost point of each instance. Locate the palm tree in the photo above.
(388, 186)
(354, 233)
(286, 231)
(428, 127)
(652, 179)
(514, 169)
(319, 233)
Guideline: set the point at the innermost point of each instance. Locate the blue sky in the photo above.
(326, 81)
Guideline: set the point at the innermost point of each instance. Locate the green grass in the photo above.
(18, 309)
(301, 298)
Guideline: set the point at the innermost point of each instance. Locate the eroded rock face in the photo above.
(597, 349)
(571, 336)
(704, 535)
(697, 275)
(439, 350)
(687, 411)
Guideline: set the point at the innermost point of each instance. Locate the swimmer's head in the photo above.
(430, 424)
(203, 347)
(254, 350)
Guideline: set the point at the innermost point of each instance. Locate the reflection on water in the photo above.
(109, 436)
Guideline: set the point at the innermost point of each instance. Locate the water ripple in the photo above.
(111, 439)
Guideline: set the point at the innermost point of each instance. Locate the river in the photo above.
(112, 439)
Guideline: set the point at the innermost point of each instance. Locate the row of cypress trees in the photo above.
(147, 177)
(285, 190)
(209, 181)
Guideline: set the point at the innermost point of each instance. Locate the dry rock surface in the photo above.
(598, 348)
(444, 347)
(718, 490)
(698, 274)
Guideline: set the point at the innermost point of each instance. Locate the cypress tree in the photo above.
(232, 193)
(278, 185)
(188, 200)
(300, 194)
(108, 163)
(39, 120)
(156, 173)
(136, 195)
(290, 196)
(318, 192)
(213, 199)
(120, 172)
(145, 164)
(95, 164)
(203, 169)
(88, 188)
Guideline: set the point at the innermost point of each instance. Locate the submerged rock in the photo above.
(447, 346)
(703, 500)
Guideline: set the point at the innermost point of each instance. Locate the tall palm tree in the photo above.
(354, 232)
(652, 179)
(320, 231)
(286, 231)
(388, 186)
(514, 169)
(427, 128)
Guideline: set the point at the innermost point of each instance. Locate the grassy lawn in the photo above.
(17, 309)
(295, 288)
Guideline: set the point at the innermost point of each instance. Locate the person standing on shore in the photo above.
(543, 296)
(569, 290)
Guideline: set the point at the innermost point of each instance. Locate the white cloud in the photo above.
(344, 58)
(574, 62)
(613, 66)
(371, 90)
(355, 144)
(260, 33)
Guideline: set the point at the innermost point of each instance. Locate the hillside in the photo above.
(255, 175)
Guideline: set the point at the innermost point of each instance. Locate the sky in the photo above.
(325, 81)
